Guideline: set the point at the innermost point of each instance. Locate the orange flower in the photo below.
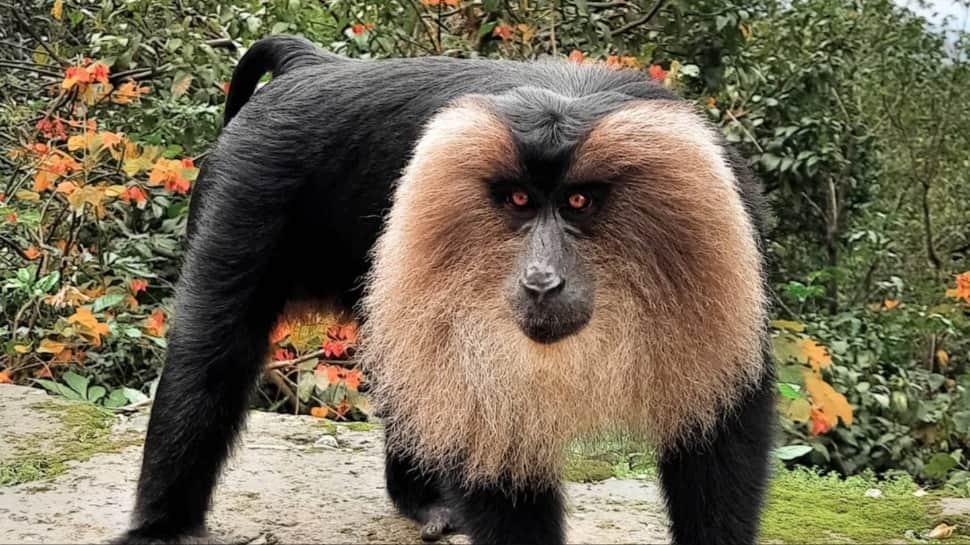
(346, 332)
(502, 31)
(155, 324)
(176, 176)
(352, 379)
(128, 92)
(12, 217)
(319, 412)
(138, 285)
(32, 253)
(657, 73)
(577, 56)
(134, 193)
(75, 75)
(5, 377)
(334, 349)
(66, 188)
(962, 291)
(890, 303)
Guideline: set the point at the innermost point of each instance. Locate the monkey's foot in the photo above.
(440, 521)
(134, 537)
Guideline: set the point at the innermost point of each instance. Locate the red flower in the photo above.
(358, 29)
(657, 73)
(99, 72)
(334, 349)
(819, 424)
(282, 354)
(138, 285)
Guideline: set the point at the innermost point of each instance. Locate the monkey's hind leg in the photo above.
(229, 295)
(418, 496)
(715, 489)
(525, 515)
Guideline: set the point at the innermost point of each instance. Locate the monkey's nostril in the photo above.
(542, 281)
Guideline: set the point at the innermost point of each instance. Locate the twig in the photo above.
(645, 19)
(26, 26)
(29, 68)
(226, 43)
(746, 131)
(139, 73)
(277, 378)
(426, 24)
(14, 246)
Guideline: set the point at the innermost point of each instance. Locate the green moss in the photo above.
(359, 426)
(587, 470)
(327, 426)
(85, 431)
(805, 507)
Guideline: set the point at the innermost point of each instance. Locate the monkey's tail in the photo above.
(276, 54)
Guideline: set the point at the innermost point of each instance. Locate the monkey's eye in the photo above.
(518, 199)
(579, 201)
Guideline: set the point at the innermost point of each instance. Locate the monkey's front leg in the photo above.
(715, 489)
(525, 516)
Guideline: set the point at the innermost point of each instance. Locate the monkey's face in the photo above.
(549, 287)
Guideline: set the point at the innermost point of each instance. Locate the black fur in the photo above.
(311, 158)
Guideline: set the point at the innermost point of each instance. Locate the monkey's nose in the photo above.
(542, 280)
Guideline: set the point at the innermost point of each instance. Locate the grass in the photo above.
(803, 506)
(806, 507)
(85, 431)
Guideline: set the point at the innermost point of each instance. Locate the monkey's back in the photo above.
(326, 142)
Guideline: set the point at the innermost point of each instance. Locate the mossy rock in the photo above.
(79, 431)
(587, 470)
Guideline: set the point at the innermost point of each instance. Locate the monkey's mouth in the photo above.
(550, 330)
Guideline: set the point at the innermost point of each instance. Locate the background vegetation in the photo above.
(854, 114)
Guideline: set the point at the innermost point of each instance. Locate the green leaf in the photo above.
(939, 465)
(77, 383)
(304, 388)
(486, 29)
(791, 452)
(770, 161)
(107, 301)
(134, 396)
(961, 420)
(116, 399)
(95, 393)
(786, 390)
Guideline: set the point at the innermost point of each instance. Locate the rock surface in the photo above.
(293, 479)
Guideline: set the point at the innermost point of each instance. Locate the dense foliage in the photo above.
(851, 112)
